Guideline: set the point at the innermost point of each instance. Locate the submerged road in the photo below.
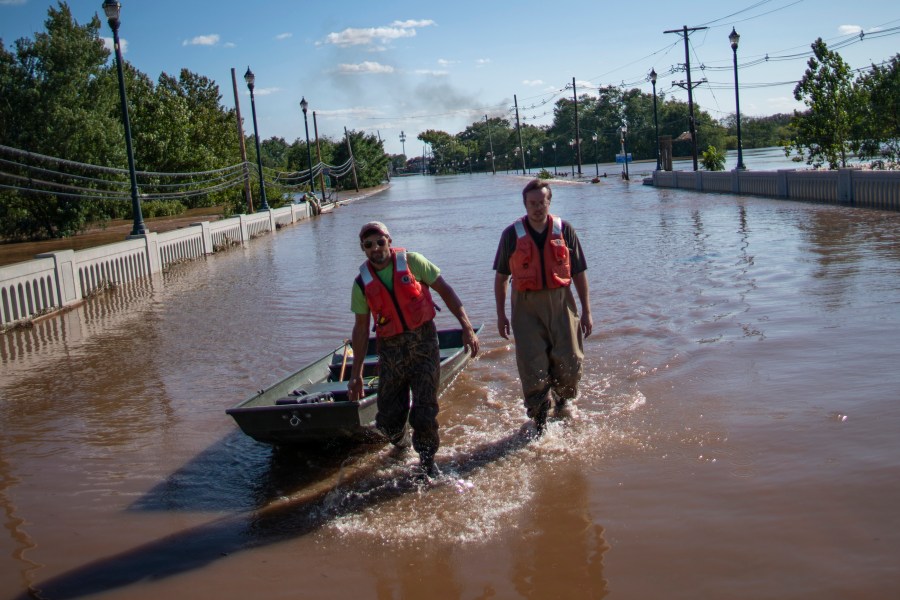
(735, 434)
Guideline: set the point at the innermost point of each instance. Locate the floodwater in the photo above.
(736, 434)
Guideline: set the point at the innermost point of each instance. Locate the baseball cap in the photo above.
(374, 226)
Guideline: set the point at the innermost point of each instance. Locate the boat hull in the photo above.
(311, 406)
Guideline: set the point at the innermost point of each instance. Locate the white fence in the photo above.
(60, 279)
(851, 187)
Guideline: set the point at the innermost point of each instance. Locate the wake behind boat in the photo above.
(312, 405)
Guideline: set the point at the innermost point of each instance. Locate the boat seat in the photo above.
(370, 368)
(333, 395)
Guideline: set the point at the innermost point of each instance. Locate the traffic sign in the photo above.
(621, 158)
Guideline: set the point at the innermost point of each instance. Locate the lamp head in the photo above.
(112, 9)
(653, 76)
(304, 104)
(250, 78)
(734, 38)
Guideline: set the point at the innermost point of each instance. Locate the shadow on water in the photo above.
(240, 474)
(343, 483)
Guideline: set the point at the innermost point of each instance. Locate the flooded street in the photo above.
(736, 434)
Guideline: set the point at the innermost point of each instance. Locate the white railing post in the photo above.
(245, 233)
(68, 292)
(151, 250)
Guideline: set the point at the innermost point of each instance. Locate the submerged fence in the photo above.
(850, 187)
(60, 279)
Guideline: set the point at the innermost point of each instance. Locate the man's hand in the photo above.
(587, 324)
(503, 326)
(355, 388)
(470, 340)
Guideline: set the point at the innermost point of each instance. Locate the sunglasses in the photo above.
(369, 244)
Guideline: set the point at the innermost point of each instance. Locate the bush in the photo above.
(713, 159)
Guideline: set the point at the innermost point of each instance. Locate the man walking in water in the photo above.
(544, 256)
(393, 287)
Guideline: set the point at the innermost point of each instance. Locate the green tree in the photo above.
(879, 131)
(61, 95)
(823, 131)
(371, 160)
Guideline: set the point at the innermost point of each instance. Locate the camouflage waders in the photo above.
(410, 362)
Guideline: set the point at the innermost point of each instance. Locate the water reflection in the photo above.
(560, 550)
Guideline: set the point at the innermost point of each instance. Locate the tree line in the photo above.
(59, 98)
(845, 116)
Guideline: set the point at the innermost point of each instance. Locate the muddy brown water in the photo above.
(736, 434)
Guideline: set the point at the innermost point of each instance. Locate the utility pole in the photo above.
(352, 160)
(577, 141)
(519, 129)
(243, 146)
(686, 31)
(319, 158)
(491, 140)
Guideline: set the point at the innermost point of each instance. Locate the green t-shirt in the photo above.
(422, 269)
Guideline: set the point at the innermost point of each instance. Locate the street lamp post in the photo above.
(554, 158)
(596, 155)
(655, 120)
(250, 78)
(625, 150)
(112, 8)
(734, 37)
(304, 106)
(403, 141)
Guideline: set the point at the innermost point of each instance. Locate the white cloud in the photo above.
(230, 45)
(13, 1)
(431, 72)
(446, 63)
(202, 40)
(370, 35)
(849, 29)
(480, 62)
(108, 43)
(365, 67)
(284, 36)
(532, 82)
(265, 91)
(411, 23)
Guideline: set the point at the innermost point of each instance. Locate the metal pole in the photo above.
(625, 149)
(577, 140)
(555, 161)
(596, 156)
(312, 186)
(138, 227)
(734, 37)
(655, 120)
(248, 76)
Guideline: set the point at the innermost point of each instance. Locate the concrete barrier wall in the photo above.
(852, 187)
(57, 280)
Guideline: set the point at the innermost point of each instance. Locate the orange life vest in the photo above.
(525, 263)
(408, 307)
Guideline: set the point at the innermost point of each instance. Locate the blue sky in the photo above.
(397, 66)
